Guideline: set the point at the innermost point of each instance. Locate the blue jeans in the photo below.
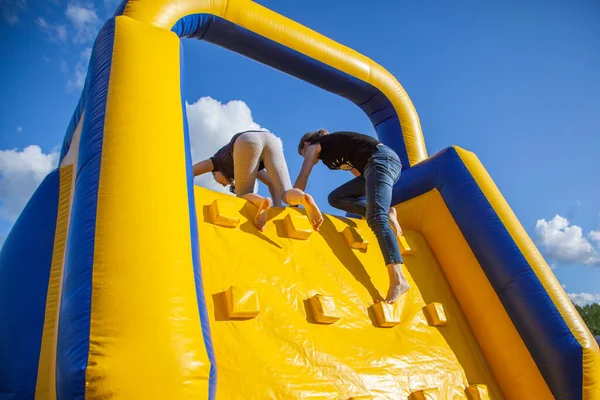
(380, 175)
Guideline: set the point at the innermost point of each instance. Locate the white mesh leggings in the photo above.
(249, 150)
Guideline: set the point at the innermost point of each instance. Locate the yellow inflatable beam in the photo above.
(281, 30)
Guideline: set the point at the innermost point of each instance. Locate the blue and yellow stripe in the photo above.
(562, 348)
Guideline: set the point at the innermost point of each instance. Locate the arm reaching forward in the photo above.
(203, 167)
(310, 159)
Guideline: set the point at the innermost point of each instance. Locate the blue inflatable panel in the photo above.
(25, 261)
(74, 322)
(233, 37)
(551, 343)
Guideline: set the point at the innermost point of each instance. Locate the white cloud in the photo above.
(84, 19)
(77, 81)
(2, 239)
(581, 299)
(595, 236)
(212, 125)
(10, 10)
(565, 243)
(54, 32)
(20, 174)
(19, 129)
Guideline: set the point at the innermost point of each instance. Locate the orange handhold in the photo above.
(324, 309)
(425, 394)
(387, 315)
(241, 303)
(405, 249)
(297, 226)
(354, 239)
(224, 213)
(436, 316)
(477, 392)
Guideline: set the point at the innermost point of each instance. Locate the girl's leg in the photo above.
(278, 172)
(296, 197)
(350, 197)
(274, 160)
(262, 204)
(380, 174)
(398, 283)
(393, 218)
(247, 151)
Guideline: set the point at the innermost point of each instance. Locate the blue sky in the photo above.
(513, 81)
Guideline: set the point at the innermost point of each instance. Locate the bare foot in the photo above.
(261, 215)
(398, 283)
(314, 214)
(393, 217)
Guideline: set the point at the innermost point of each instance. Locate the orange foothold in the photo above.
(324, 309)
(242, 303)
(354, 239)
(297, 226)
(387, 315)
(436, 316)
(224, 213)
(405, 249)
(477, 392)
(425, 394)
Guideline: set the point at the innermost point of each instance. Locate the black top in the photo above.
(346, 150)
(223, 159)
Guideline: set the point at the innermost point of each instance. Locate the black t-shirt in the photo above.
(223, 159)
(346, 150)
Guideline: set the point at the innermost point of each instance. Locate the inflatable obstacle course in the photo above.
(122, 280)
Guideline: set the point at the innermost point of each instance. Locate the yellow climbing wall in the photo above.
(261, 292)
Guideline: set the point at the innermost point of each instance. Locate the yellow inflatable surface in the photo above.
(284, 353)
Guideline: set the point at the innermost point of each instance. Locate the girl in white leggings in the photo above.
(258, 154)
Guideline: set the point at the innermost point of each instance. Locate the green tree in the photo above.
(591, 315)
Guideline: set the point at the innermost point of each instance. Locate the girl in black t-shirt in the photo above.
(257, 154)
(376, 168)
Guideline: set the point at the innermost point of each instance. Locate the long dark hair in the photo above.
(310, 137)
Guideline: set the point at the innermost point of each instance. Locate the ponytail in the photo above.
(311, 137)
